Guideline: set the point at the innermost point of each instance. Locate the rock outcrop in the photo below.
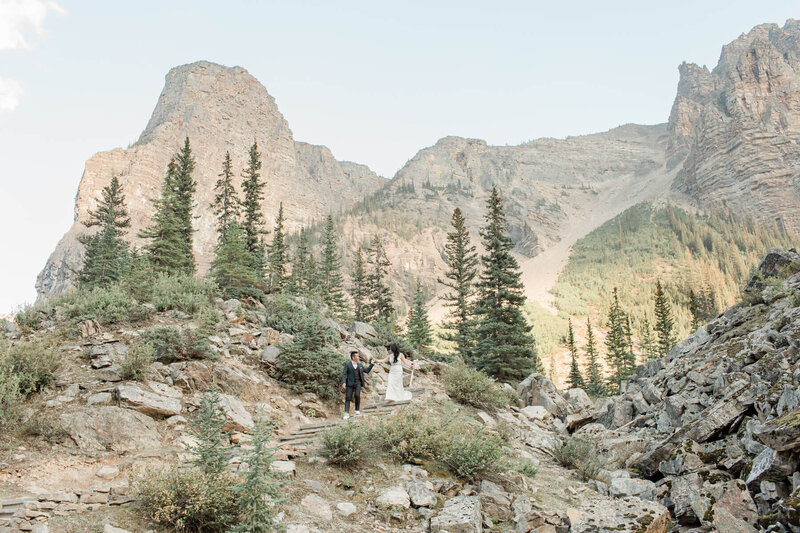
(220, 109)
(734, 130)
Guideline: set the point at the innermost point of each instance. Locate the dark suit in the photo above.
(353, 380)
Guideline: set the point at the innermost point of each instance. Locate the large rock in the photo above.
(783, 433)
(317, 506)
(111, 428)
(629, 514)
(419, 494)
(770, 266)
(461, 514)
(238, 417)
(146, 401)
(641, 488)
(495, 502)
(394, 497)
(537, 389)
(362, 330)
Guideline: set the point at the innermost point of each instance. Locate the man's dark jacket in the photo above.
(354, 377)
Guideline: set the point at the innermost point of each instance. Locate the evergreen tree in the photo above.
(695, 310)
(594, 375)
(253, 222)
(278, 256)
(649, 348)
(259, 492)
(664, 323)
(185, 187)
(330, 272)
(505, 348)
(630, 360)
(211, 453)
(462, 267)
(226, 203)
(106, 250)
(167, 248)
(379, 302)
(420, 334)
(303, 278)
(232, 267)
(575, 379)
(616, 344)
(359, 289)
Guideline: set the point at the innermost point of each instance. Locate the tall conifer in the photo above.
(505, 348)
(330, 271)
(167, 248)
(303, 278)
(359, 290)
(106, 250)
(253, 222)
(462, 268)
(594, 375)
(420, 334)
(649, 347)
(616, 343)
(185, 187)
(226, 202)
(664, 323)
(278, 255)
(575, 379)
(232, 267)
(380, 304)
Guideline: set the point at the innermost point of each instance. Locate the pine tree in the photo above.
(420, 334)
(253, 222)
(303, 278)
(226, 203)
(278, 256)
(630, 360)
(649, 348)
(462, 268)
(259, 492)
(167, 248)
(695, 310)
(575, 379)
(664, 323)
(211, 453)
(505, 348)
(616, 344)
(185, 187)
(330, 272)
(106, 250)
(379, 301)
(359, 290)
(232, 267)
(594, 375)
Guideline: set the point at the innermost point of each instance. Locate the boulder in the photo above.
(345, 509)
(111, 428)
(641, 488)
(108, 528)
(362, 330)
(147, 402)
(495, 502)
(461, 514)
(238, 417)
(107, 472)
(535, 412)
(419, 494)
(725, 522)
(394, 497)
(537, 389)
(317, 506)
(284, 468)
(269, 355)
(770, 266)
(782, 433)
(629, 514)
(618, 415)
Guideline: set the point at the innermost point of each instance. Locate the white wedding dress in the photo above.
(394, 388)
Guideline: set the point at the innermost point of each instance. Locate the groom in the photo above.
(352, 381)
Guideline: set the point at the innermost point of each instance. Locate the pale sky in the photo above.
(374, 81)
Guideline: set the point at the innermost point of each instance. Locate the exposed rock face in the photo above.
(737, 127)
(720, 414)
(220, 109)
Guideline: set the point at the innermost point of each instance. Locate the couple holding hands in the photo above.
(353, 378)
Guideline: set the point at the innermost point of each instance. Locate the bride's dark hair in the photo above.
(395, 351)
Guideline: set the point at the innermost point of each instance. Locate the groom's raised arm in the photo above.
(366, 370)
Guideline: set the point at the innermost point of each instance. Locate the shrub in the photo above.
(410, 433)
(136, 361)
(589, 468)
(10, 396)
(105, 305)
(526, 468)
(29, 317)
(44, 426)
(187, 500)
(346, 445)
(172, 344)
(183, 292)
(306, 365)
(286, 314)
(469, 454)
(473, 387)
(578, 454)
(33, 363)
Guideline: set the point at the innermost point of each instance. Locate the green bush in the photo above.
(186, 500)
(182, 292)
(29, 317)
(45, 426)
(385, 337)
(136, 360)
(578, 454)
(105, 305)
(470, 453)
(411, 433)
(288, 315)
(526, 468)
(346, 445)
(33, 363)
(473, 387)
(171, 344)
(306, 365)
(10, 396)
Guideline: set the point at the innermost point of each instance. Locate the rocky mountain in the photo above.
(220, 109)
(734, 130)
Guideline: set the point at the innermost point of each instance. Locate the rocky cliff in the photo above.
(220, 109)
(734, 130)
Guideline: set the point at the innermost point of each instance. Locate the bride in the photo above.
(394, 388)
